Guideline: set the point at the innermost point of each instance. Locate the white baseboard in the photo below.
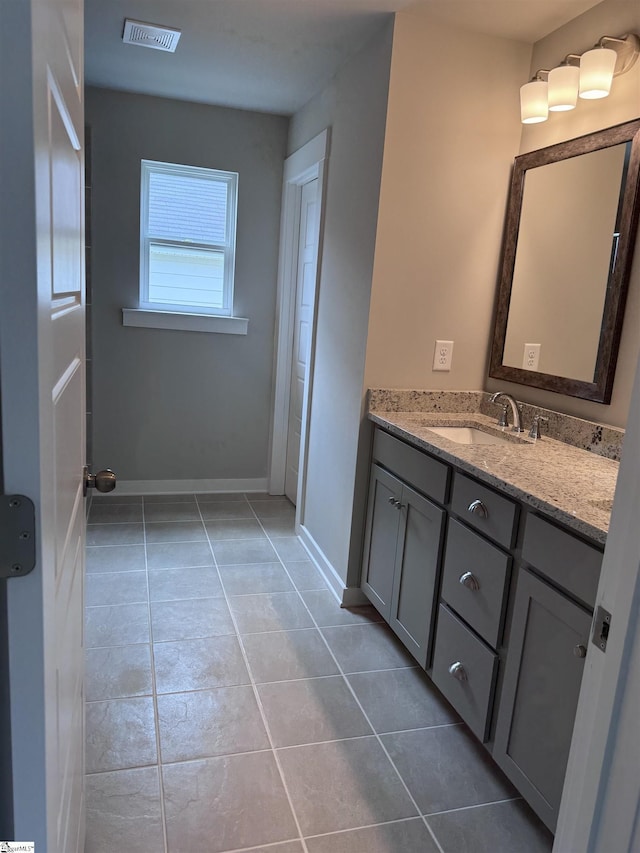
(353, 596)
(346, 596)
(333, 579)
(176, 487)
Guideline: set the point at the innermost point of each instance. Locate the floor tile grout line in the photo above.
(272, 845)
(366, 716)
(427, 815)
(370, 734)
(259, 703)
(181, 761)
(365, 826)
(156, 720)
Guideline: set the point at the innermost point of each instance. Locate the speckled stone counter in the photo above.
(568, 484)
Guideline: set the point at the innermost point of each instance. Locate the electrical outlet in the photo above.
(443, 355)
(531, 357)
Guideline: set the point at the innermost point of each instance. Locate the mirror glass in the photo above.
(570, 232)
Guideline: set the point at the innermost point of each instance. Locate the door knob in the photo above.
(103, 481)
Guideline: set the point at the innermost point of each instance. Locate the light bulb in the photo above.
(596, 72)
(533, 102)
(563, 87)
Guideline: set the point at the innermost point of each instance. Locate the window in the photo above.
(187, 238)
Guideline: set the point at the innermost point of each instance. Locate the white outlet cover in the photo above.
(443, 355)
(531, 356)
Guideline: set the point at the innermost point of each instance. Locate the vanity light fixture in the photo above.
(596, 72)
(588, 75)
(564, 82)
(534, 102)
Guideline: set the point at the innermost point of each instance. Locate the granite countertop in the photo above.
(568, 484)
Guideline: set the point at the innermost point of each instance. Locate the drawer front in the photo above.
(415, 467)
(567, 561)
(484, 509)
(475, 581)
(471, 696)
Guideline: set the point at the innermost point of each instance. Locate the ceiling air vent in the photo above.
(150, 35)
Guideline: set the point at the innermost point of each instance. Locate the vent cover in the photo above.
(150, 35)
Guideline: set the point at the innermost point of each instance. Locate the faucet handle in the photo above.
(503, 420)
(534, 432)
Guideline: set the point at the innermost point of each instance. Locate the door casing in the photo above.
(304, 165)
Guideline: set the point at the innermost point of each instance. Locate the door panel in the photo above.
(43, 382)
(417, 557)
(305, 290)
(381, 539)
(540, 692)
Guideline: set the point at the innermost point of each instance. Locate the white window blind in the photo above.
(187, 237)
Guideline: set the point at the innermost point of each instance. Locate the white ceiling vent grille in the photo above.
(150, 35)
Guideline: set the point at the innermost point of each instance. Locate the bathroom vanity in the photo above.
(485, 559)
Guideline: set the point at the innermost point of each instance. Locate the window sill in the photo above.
(147, 319)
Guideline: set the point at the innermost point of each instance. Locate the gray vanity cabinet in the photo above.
(402, 551)
(415, 577)
(517, 596)
(548, 642)
(378, 568)
(403, 539)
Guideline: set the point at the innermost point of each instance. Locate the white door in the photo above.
(305, 294)
(42, 375)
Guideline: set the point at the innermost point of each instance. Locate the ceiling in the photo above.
(274, 55)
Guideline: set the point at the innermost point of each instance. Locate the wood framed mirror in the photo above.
(571, 228)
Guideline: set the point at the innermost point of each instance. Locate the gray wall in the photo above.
(354, 106)
(171, 404)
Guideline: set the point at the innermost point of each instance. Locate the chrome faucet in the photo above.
(517, 418)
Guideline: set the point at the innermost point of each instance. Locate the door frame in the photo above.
(306, 164)
(601, 796)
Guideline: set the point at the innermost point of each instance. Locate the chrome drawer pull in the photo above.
(458, 671)
(580, 651)
(478, 508)
(469, 580)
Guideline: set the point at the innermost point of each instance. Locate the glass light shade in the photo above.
(596, 72)
(533, 102)
(563, 88)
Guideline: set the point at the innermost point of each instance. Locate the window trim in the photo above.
(148, 167)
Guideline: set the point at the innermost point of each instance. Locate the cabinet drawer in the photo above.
(415, 467)
(567, 561)
(472, 695)
(481, 600)
(484, 509)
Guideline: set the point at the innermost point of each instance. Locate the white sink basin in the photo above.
(469, 435)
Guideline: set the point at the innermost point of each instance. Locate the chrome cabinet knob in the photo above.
(580, 651)
(456, 670)
(478, 508)
(103, 481)
(395, 503)
(469, 580)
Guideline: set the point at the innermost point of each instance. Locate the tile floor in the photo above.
(232, 705)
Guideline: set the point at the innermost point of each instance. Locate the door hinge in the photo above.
(601, 628)
(17, 536)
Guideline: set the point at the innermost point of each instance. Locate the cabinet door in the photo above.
(540, 693)
(417, 559)
(381, 538)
